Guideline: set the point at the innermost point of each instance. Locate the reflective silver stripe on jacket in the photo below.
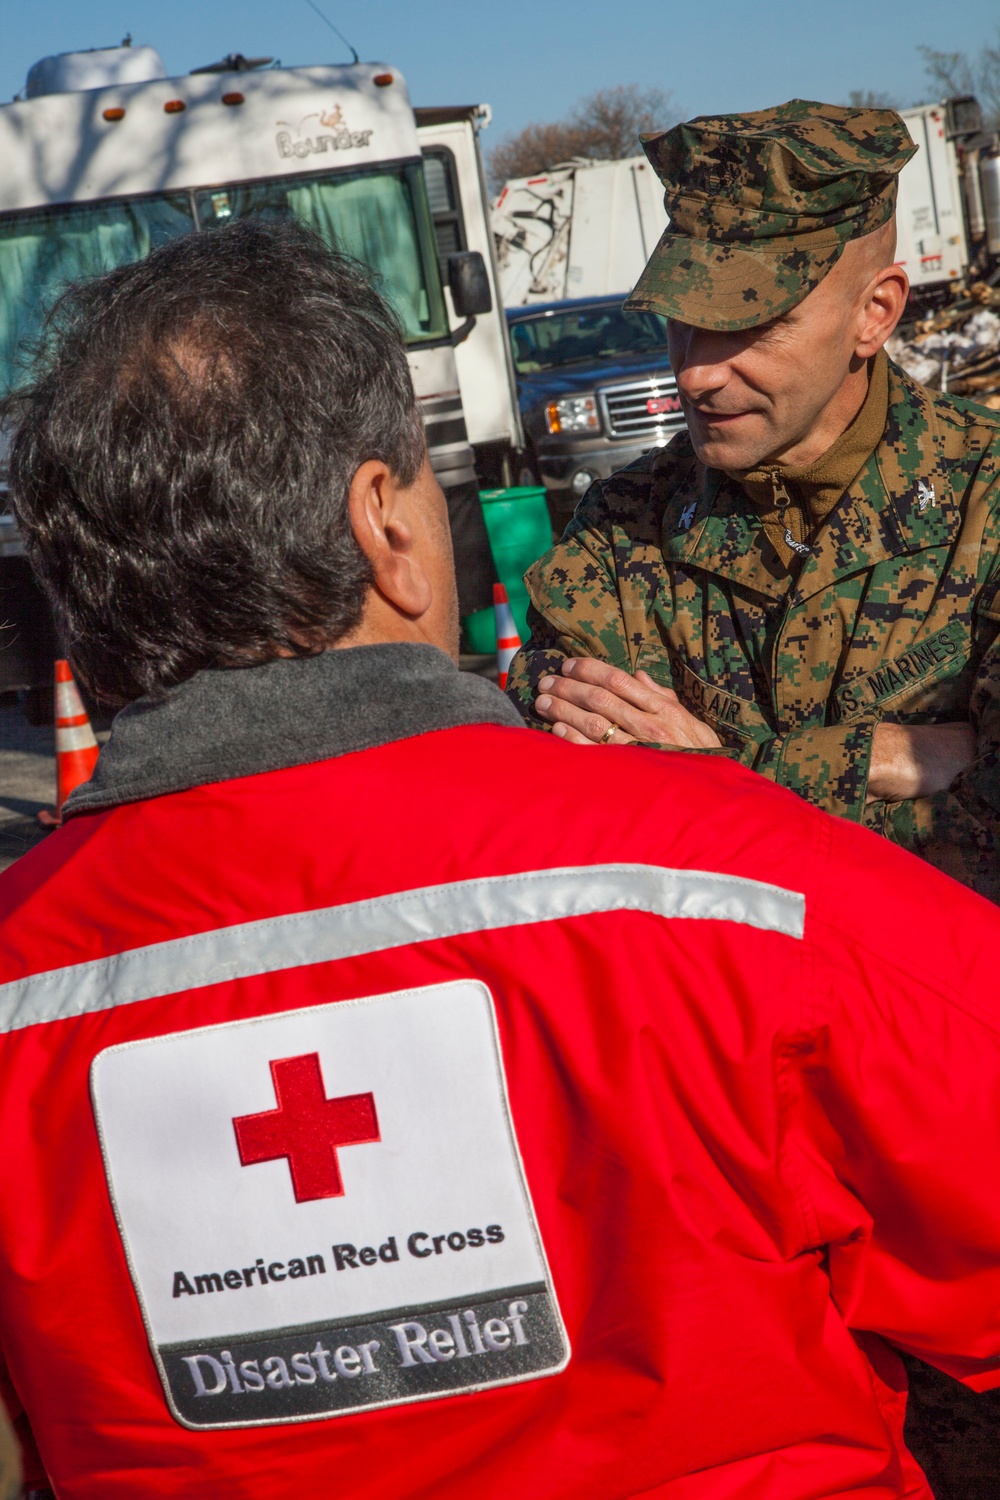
(393, 921)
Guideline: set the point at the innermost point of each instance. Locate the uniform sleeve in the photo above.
(827, 766)
(900, 1103)
(575, 608)
(959, 830)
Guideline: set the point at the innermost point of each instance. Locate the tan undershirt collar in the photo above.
(798, 500)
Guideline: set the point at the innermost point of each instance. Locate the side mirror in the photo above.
(469, 283)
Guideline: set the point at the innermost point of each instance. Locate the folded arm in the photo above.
(957, 826)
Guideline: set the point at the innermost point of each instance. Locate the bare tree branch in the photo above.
(605, 125)
(954, 73)
(871, 99)
(949, 71)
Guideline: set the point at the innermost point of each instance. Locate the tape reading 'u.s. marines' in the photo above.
(927, 661)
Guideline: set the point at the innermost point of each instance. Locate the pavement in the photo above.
(27, 781)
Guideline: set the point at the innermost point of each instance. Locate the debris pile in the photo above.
(956, 348)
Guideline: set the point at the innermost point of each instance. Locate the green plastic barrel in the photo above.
(519, 529)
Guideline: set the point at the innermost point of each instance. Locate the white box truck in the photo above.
(948, 213)
(931, 240)
(106, 157)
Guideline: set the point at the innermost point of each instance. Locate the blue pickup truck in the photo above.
(595, 390)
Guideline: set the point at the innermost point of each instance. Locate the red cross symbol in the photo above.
(307, 1128)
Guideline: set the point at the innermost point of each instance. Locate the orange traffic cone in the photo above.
(76, 748)
(508, 640)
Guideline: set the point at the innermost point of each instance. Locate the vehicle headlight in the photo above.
(573, 414)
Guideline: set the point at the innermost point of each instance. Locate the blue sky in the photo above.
(531, 60)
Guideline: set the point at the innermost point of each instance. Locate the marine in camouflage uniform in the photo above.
(795, 610)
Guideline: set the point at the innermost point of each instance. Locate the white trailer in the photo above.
(106, 158)
(585, 229)
(460, 208)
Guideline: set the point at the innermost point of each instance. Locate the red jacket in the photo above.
(735, 1132)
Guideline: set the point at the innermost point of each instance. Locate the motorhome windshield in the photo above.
(584, 333)
(43, 250)
(379, 217)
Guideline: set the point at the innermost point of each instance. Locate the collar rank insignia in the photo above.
(687, 516)
(925, 495)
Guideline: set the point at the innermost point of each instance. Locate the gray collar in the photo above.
(221, 724)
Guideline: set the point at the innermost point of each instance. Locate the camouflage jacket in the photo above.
(894, 615)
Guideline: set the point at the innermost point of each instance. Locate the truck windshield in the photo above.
(584, 333)
(380, 217)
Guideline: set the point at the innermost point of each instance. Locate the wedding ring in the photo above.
(608, 735)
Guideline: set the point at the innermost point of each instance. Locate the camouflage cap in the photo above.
(761, 206)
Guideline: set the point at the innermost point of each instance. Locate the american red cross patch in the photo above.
(325, 1210)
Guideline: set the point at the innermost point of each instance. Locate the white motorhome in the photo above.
(585, 229)
(106, 157)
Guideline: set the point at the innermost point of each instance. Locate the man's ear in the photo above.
(883, 308)
(378, 514)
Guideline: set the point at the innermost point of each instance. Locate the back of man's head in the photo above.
(181, 463)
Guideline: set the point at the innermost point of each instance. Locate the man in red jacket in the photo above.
(379, 1115)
